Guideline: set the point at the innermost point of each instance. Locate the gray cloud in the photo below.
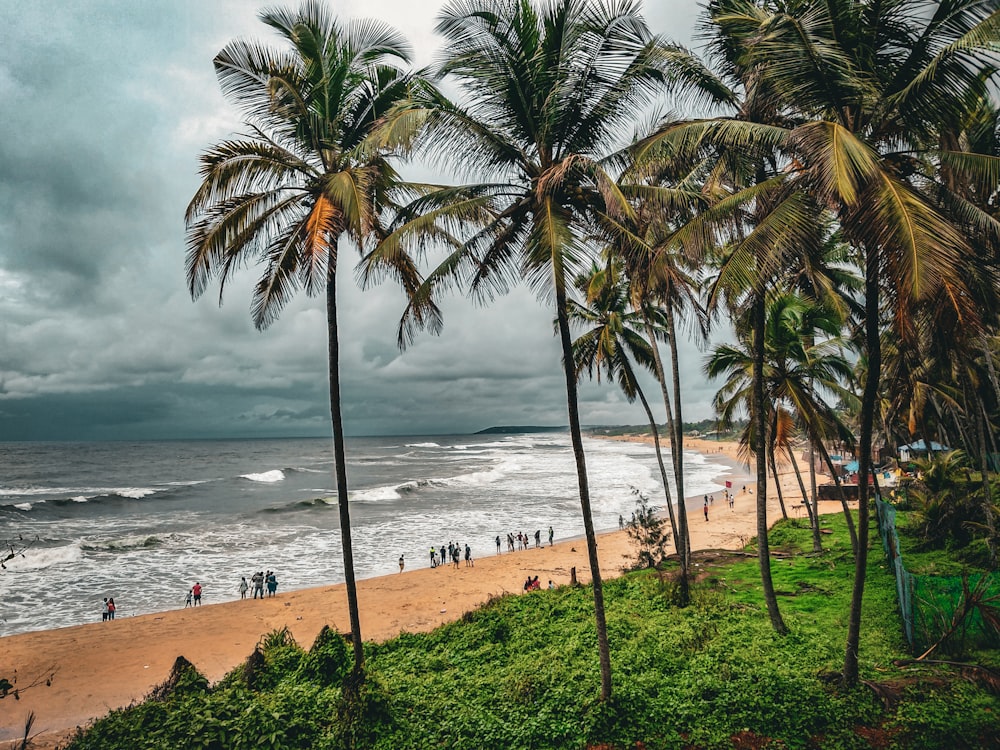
(106, 107)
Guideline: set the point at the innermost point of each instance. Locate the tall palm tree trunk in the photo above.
(814, 493)
(663, 469)
(677, 445)
(684, 585)
(760, 405)
(774, 463)
(840, 492)
(604, 652)
(340, 466)
(811, 509)
(777, 484)
(869, 400)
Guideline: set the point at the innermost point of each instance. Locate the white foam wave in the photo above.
(22, 506)
(377, 494)
(80, 499)
(134, 493)
(275, 475)
(38, 558)
(422, 445)
(31, 491)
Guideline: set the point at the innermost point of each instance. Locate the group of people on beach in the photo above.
(523, 541)
(108, 611)
(454, 552)
(258, 581)
(532, 584)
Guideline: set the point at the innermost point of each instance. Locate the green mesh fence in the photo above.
(928, 603)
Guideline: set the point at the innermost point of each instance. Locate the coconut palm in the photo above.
(547, 93)
(868, 88)
(876, 85)
(610, 343)
(796, 366)
(300, 180)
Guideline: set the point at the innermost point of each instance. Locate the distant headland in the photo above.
(515, 429)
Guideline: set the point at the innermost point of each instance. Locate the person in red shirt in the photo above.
(196, 590)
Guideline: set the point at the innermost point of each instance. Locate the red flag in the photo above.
(729, 485)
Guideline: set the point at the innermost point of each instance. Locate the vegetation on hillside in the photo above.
(520, 672)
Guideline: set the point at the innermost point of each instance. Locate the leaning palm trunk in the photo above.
(604, 652)
(811, 508)
(340, 468)
(677, 443)
(777, 484)
(683, 537)
(760, 405)
(774, 464)
(663, 469)
(869, 400)
(841, 494)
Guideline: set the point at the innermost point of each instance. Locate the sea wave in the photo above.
(142, 541)
(38, 558)
(423, 445)
(275, 475)
(133, 493)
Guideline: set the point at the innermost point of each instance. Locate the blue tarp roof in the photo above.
(921, 447)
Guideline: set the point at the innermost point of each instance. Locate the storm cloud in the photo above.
(106, 106)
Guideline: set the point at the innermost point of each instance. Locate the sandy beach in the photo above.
(97, 667)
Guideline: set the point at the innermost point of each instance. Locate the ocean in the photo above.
(143, 521)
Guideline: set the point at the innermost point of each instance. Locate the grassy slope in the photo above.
(522, 673)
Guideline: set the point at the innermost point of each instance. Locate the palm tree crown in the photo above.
(303, 176)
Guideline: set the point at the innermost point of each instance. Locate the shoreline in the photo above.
(98, 667)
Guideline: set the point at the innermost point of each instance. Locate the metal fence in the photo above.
(928, 603)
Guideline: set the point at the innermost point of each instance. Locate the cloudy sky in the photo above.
(106, 105)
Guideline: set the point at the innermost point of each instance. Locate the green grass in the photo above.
(522, 673)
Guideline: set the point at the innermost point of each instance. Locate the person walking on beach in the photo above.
(401, 563)
(104, 611)
(538, 538)
(111, 608)
(272, 583)
(434, 555)
(196, 590)
(469, 563)
(498, 544)
(621, 522)
(189, 599)
(258, 584)
(706, 509)
(551, 534)
(456, 553)
(243, 587)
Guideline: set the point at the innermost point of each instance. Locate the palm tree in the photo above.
(662, 289)
(867, 89)
(796, 365)
(301, 179)
(610, 344)
(874, 85)
(546, 94)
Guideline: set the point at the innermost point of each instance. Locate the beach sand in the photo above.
(99, 666)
